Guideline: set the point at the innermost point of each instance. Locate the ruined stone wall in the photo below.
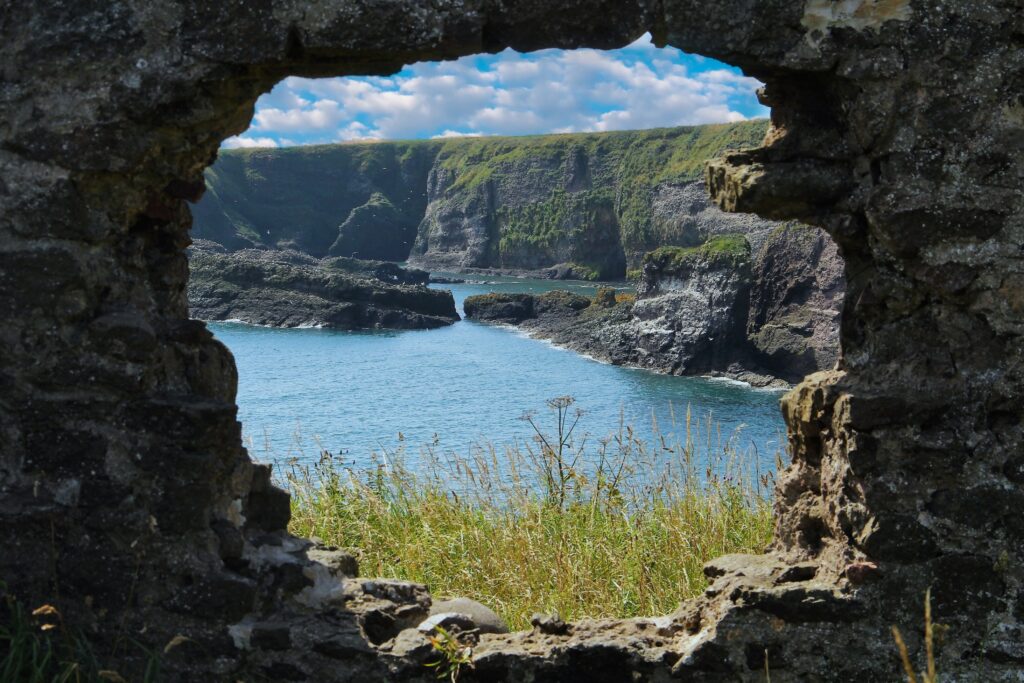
(127, 498)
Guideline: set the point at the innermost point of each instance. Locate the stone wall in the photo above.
(126, 496)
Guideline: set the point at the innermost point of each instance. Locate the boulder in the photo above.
(483, 618)
(505, 308)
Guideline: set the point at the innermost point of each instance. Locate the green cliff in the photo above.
(325, 200)
(596, 200)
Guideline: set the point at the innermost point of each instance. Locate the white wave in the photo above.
(727, 380)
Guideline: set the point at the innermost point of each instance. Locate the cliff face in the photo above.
(596, 200)
(362, 200)
(795, 301)
(768, 317)
(599, 201)
(690, 306)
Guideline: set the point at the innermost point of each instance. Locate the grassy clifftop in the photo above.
(517, 202)
(651, 156)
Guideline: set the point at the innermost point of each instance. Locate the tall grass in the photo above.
(38, 647)
(615, 527)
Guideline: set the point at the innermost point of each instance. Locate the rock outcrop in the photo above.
(583, 205)
(291, 289)
(128, 501)
(768, 319)
(796, 300)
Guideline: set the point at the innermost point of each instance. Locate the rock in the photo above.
(271, 636)
(518, 308)
(385, 271)
(449, 621)
(484, 619)
(505, 308)
(685, 216)
(230, 540)
(605, 297)
(689, 317)
(550, 624)
(375, 230)
(559, 302)
(691, 304)
(897, 126)
(362, 201)
(410, 644)
(574, 271)
(269, 508)
(796, 302)
(344, 646)
(291, 289)
(705, 310)
(573, 187)
(339, 562)
(422, 200)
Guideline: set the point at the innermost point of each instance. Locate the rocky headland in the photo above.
(767, 317)
(286, 288)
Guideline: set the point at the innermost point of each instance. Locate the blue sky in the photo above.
(550, 91)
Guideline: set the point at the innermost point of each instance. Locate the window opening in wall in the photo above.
(494, 336)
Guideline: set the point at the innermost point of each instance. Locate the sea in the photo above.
(367, 397)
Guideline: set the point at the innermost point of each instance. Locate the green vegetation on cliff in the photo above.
(512, 202)
(585, 198)
(320, 199)
(720, 250)
(653, 156)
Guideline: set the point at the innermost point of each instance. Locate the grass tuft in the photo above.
(932, 633)
(38, 647)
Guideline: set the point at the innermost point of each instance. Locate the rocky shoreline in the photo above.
(561, 271)
(767, 319)
(281, 288)
(590, 328)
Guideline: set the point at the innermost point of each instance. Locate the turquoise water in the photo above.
(354, 393)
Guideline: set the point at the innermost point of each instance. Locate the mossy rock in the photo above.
(507, 308)
(605, 297)
(561, 300)
(720, 251)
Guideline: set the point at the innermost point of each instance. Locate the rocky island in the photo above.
(284, 288)
(767, 318)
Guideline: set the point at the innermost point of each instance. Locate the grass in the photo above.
(36, 646)
(932, 633)
(585, 528)
(726, 250)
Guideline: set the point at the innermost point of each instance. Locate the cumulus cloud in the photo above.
(640, 86)
(455, 134)
(240, 141)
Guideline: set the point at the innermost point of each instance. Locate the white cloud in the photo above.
(455, 134)
(639, 86)
(239, 141)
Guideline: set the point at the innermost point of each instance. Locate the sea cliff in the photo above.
(767, 317)
(584, 205)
